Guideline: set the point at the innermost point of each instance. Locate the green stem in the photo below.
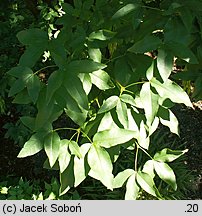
(145, 152)
(136, 156)
(74, 129)
(136, 83)
(50, 66)
(86, 136)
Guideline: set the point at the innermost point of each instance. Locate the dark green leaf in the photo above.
(125, 10)
(148, 43)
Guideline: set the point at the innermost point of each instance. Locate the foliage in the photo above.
(113, 63)
(19, 189)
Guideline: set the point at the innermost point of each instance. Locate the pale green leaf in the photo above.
(168, 119)
(172, 91)
(168, 155)
(86, 81)
(74, 148)
(113, 137)
(121, 110)
(150, 102)
(64, 155)
(132, 188)
(147, 184)
(109, 104)
(81, 168)
(101, 79)
(165, 173)
(32, 146)
(128, 99)
(101, 165)
(122, 177)
(52, 147)
(106, 122)
(149, 168)
(165, 63)
(95, 54)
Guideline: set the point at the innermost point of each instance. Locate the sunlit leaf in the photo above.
(101, 165)
(165, 173)
(52, 147)
(32, 146)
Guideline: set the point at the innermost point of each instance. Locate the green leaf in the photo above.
(17, 87)
(132, 188)
(102, 35)
(32, 36)
(58, 52)
(28, 122)
(64, 156)
(126, 98)
(22, 97)
(32, 55)
(113, 137)
(125, 10)
(150, 102)
(32, 146)
(121, 110)
(172, 91)
(86, 81)
(168, 119)
(81, 167)
(52, 147)
(147, 184)
(106, 122)
(122, 177)
(74, 149)
(149, 168)
(101, 165)
(164, 63)
(33, 87)
(76, 91)
(54, 82)
(84, 66)
(132, 125)
(109, 104)
(182, 51)
(148, 43)
(122, 71)
(95, 54)
(20, 71)
(142, 138)
(168, 155)
(101, 79)
(67, 178)
(165, 173)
